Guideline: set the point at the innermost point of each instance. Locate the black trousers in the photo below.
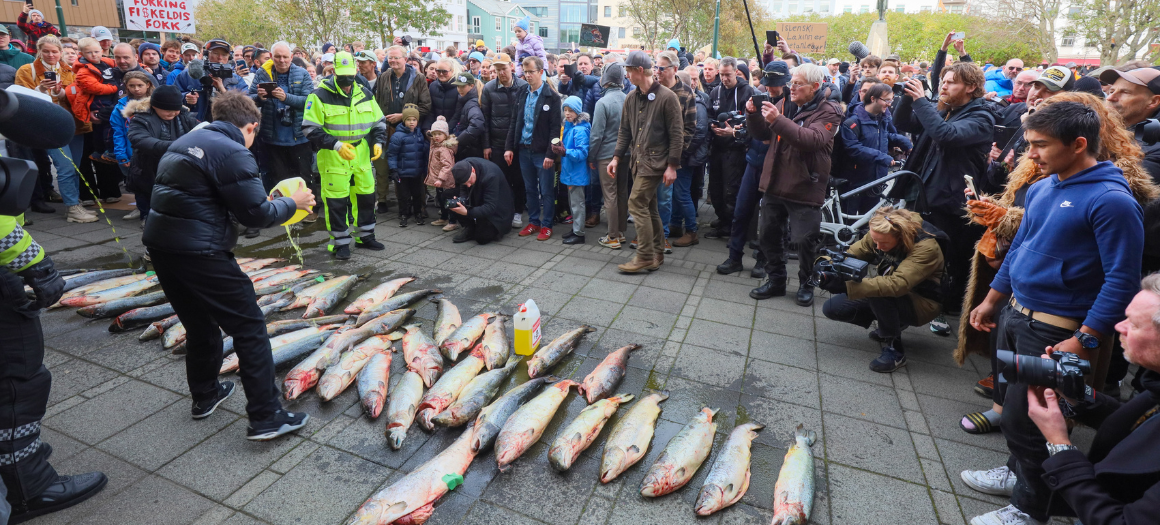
(287, 162)
(412, 196)
(24, 388)
(1026, 336)
(893, 314)
(725, 171)
(514, 178)
(208, 292)
(961, 249)
(697, 188)
(803, 223)
(481, 230)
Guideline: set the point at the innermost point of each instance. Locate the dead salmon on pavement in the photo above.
(372, 383)
(376, 295)
(628, 441)
(607, 375)
(793, 495)
(682, 456)
(728, 480)
(582, 431)
(527, 424)
(548, 356)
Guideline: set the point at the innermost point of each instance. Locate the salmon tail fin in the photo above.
(810, 436)
(588, 329)
(754, 426)
(634, 347)
(664, 394)
(712, 411)
(622, 398)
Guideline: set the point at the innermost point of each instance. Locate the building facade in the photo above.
(453, 34)
(493, 20)
(79, 15)
(548, 12)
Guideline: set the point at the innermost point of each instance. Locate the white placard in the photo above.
(169, 16)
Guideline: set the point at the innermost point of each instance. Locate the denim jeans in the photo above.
(748, 195)
(665, 205)
(684, 212)
(66, 161)
(540, 186)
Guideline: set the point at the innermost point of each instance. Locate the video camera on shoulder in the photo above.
(1064, 372)
(1149, 132)
(846, 266)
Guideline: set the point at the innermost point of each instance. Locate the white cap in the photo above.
(189, 47)
(101, 33)
(328, 57)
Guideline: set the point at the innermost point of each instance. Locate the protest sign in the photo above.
(805, 38)
(169, 16)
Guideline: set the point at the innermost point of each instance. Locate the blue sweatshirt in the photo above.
(1078, 250)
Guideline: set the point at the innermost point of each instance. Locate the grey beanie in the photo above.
(613, 75)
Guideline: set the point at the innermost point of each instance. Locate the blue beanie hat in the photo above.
(524, 23)
(575, 104)
(675, 44)
(147, 45)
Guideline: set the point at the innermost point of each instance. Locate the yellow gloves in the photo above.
(346, 151)
(378, 152)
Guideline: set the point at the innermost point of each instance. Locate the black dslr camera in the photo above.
(843, 264)
(1149, 132)
(223, 71)
(456, 201)
(1064, 372)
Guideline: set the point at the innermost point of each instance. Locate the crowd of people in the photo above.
(1031, 212)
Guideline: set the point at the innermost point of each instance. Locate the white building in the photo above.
(453, 34)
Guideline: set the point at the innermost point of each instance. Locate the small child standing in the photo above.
(407, 157)
(439, 164)
(574, 168)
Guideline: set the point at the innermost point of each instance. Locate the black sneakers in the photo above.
(729, 266)
(205, 408)
(65, 492)
(369, 242)
(283, 423)
(342, 252)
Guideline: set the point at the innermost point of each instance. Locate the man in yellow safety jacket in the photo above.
(346, 124)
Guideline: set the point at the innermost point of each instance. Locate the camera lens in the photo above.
(1027, 369)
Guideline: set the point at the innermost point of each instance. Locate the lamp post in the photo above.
(60, 19)
(716, 29)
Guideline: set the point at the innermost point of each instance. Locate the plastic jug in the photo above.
(287, 188)
(527, 321)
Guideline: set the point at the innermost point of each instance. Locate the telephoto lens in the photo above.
(1064, 371)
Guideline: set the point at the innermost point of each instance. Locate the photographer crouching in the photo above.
(484, 201)
(904, 293)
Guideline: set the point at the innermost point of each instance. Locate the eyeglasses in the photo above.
(795, 85)
(442, 70)
(887, 101)
(661, 69)
(1012, 68)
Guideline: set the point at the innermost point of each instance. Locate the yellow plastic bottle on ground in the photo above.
(527, 321)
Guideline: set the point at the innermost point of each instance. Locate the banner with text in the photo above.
(805, 38)
(169, 16)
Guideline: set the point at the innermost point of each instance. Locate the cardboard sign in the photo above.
(592, 35)
(805, 38)
(170, 16)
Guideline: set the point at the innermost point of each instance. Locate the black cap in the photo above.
(217, 43)
(776, 74)
(167, 98)
(461, 171)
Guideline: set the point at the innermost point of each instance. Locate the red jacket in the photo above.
(89, 84)
(34, 32)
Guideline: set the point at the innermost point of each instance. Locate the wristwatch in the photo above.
(1053, 449)
(1086, 340)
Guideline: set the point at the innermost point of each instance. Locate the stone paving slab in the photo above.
(889, 449)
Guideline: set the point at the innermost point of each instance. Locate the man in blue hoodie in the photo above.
(1000, 80)
(1071, 270)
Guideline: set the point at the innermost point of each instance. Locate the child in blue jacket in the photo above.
(574, 167)
(407, 158)
(138, 86)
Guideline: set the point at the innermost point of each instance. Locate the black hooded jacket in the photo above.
(947, 145)
(490, 198)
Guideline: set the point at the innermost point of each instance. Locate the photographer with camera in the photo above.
(484, 201)
(904, 293)
(1071, 269)
(201, 81)
(727, 153)
(1118, 480)
(280, 89)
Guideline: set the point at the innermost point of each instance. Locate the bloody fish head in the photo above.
(710, 500)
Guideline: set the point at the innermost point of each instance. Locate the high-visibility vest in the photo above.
(17, 249)
(347, 118)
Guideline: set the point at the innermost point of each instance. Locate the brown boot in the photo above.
(593, 220)
(657, 262)
(686, 240)
(636, 265)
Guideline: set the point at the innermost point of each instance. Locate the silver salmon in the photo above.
(296, 285)
(491, 419)
(290, 325)
(547, 357)
(527, 424)
(401, 407)
(282, 278)
(102, 285)
(156, 328)
(606, 377)
(682, 457)
(258, 264)
(342, 374)
(119, 306)
(628, 441)
(305, 295)
(475, 395)
(793, 495)
(73, 282)
(394, 303)
(286, 347)
(306, 373)
(494, 346)
(139, 317)
(464, 337)
(582, 431)
(729, 478)
(376, 295)
(445, 391)
(421, 355)
(174, 336)
(383, 324)
(447, 321)
(328, 298)
(120, 292)
(372, 383)
(415, 494)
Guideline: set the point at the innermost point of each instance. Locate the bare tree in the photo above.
(1038, 14)
(652, 17)
(1118, 29)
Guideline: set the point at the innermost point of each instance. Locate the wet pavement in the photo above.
(889, 448)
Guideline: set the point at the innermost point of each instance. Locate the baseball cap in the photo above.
(101, 33)
(1056, 78)
(477, 56)
(1148, 77)
(464, 79)
(833, 61)
(363, 56)
(344, 64)
(328, 57)
(4, 29)
(218, 43)
(638, 58)
(189, 47)
(776, 74)
(501, 59)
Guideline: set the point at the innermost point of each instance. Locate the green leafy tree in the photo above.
(653, 19)
(236, 21)
(1119, 29)
(316, 21)
(384, 18)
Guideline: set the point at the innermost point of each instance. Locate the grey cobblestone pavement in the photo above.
(889, 448)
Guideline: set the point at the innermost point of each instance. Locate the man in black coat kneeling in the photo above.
(485, 200)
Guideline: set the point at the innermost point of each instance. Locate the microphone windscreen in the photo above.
(54, 126)
(196, 69)
(724, 116)
(859, 50)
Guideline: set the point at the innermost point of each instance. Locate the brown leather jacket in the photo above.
(797, 165)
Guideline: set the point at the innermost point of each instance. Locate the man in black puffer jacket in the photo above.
(202, 179)
(499, 99)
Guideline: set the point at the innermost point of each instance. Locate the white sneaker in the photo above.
(78, 213)
(999, 481)
(89, 202)
(135, 214)
(1008, 515)
(112, 200)
(517, 221)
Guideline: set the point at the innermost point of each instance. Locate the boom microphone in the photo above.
(33, 122)
(196, 69)
(859, 50)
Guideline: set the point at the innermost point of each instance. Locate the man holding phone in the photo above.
(31, 21)
(280, 91)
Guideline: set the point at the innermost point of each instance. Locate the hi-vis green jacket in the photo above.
(17, 249)
(331, 117)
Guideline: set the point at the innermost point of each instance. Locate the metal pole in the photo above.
(60, 19)
(752, 34)
(716, 29)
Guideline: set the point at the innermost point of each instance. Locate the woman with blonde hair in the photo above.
(905, 292)
(1002, 214)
